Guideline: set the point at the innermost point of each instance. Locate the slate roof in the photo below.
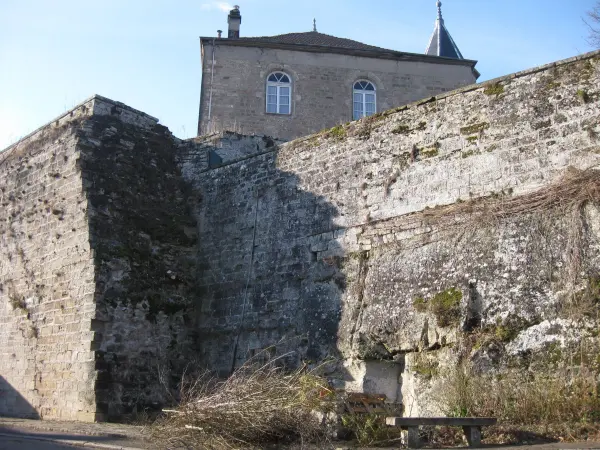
(441, 43)
(314, 38)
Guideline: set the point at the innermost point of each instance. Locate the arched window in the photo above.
(279, 93)
(365, 99)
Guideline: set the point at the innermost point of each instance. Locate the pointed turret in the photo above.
(441, 43)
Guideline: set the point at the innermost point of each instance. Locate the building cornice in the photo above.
(378, 54)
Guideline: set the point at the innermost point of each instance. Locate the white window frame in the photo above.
(279, 86)
(363, 93)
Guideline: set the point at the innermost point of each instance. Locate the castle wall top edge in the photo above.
(89, 107)
(472, 87)
(511, 76)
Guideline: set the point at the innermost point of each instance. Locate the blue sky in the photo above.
(145, 53)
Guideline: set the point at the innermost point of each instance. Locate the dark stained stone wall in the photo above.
(144, 243)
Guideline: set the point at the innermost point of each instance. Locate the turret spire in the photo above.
(441, 43)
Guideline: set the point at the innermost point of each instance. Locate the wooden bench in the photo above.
(471, 426)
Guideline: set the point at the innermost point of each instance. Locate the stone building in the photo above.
(295, 84)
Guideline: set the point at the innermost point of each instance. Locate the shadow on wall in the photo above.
(13, 404)
(270, 268)
(144, 254)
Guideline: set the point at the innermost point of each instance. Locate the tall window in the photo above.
(279, 89)
(365, 100)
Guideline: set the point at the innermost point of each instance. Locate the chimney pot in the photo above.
(219, 32)
(234, 20)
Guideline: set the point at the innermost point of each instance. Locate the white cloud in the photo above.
(223, 6)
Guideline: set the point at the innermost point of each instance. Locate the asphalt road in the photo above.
(24, 440)
(17, 443)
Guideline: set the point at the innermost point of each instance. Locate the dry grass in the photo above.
(570, 192)
(562, 405)
(216, 126)
(514, 435)
(258, 405)
(564, 199)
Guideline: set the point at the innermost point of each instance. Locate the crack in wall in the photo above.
(363, 270)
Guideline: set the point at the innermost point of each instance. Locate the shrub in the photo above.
(370, 429)
(425, 367)
(445, 306)
(494, 89)
(337, 133)
(420, 304)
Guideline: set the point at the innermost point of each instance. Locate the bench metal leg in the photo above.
(413, 440)
(473, 435)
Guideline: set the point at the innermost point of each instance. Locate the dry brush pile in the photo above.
(257, 406)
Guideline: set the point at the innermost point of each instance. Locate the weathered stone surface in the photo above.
(46, 277)
(143, 238)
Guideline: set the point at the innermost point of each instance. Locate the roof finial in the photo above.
(315, 25)
(441, 43)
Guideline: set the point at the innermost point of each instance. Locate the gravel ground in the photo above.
(54, 435)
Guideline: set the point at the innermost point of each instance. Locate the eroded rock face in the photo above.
(491, 295)
(561, 332)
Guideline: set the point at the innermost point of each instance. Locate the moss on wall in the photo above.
(494, 89)
(475, 128)
(445, 306)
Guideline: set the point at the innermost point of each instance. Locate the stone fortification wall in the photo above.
(344, 242)
(46, 277)
(234, 87)
(97, 257)
(202, 153)
(144, 239)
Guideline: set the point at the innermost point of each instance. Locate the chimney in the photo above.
(219, 32)
(234, 19)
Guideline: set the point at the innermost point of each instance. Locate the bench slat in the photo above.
(371, 398)
(358, 402)
(448, 421)
(358, 409)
